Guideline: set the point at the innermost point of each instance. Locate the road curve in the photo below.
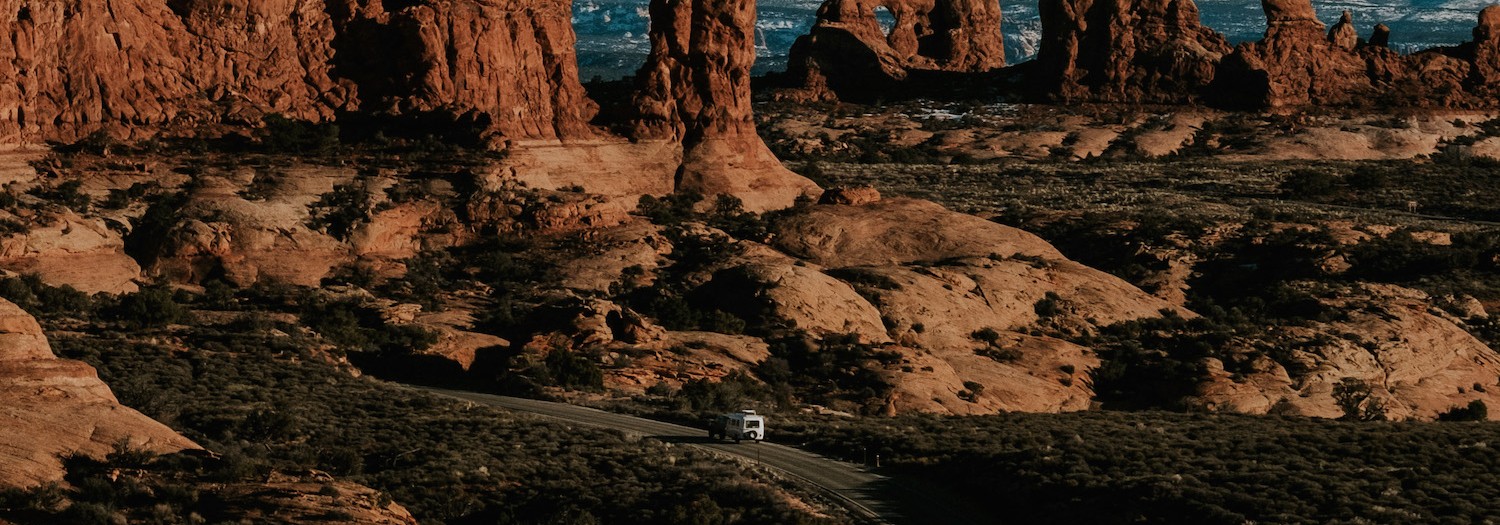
(869, 496)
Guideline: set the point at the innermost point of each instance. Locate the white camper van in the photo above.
(739, 426)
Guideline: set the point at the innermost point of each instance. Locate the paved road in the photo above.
(869, 496)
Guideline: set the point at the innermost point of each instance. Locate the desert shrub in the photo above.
(1152, 467)
(297, 137)
(834, 370)
(122, 198)
(1476, 410)
(447, 461)
(151, 307)
(1358, 402)
(1400, 257)
(986, 335)
(67, 194)
(352, 326)
(669, 210)
(1157, 363)
(732, 392)
(570, 369)
(1048, 306)
(728, 214)
(31, 294)
(1308, 183)
(340, 211)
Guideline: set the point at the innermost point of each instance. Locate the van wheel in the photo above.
(736, 439)
(753, 437)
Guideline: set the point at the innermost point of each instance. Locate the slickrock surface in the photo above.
(926, 281)
(1416, 360)
(51, 407)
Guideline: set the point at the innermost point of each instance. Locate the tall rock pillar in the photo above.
(1152, 51)
(848, 55)
(695, 88)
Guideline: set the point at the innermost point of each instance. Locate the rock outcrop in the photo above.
(925, 282)
(1157, 51)
(137, 67)
(1418, 363)
(1297, 64)
(52, 407)
(695, 88)
(1343, 34)
(65, 249)
(849, 55)
(1154, 51)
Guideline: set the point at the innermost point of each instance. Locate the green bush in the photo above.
(298, 137)
(1476, 410)
(151, 307)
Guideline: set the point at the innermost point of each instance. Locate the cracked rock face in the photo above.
(1298, 64)
(695, 89)
(1153, 51)
(849, 55)
(136, 67)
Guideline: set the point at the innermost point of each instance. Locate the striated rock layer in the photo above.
(134, 67)
(695, 88)
(849, 55)
(51, 407)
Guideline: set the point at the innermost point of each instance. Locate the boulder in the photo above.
(1417, 361)
(898, 231)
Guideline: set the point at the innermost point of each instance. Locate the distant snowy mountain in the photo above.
(612, 33)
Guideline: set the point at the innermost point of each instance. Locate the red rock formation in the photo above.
(137, 66)
(695, 88)
(1343, 35)
(54, 407)
(1125, 51)
(1380, 36)
(1297, 65)
(849, 55)
(1486, 48)
(512, 64)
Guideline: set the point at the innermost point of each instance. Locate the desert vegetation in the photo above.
(1154, 467)
(269, 395)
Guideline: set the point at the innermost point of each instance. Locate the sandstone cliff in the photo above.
(695, 88)
(1154, 51)
(848, 55)
(55, 407)
(136, 67)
